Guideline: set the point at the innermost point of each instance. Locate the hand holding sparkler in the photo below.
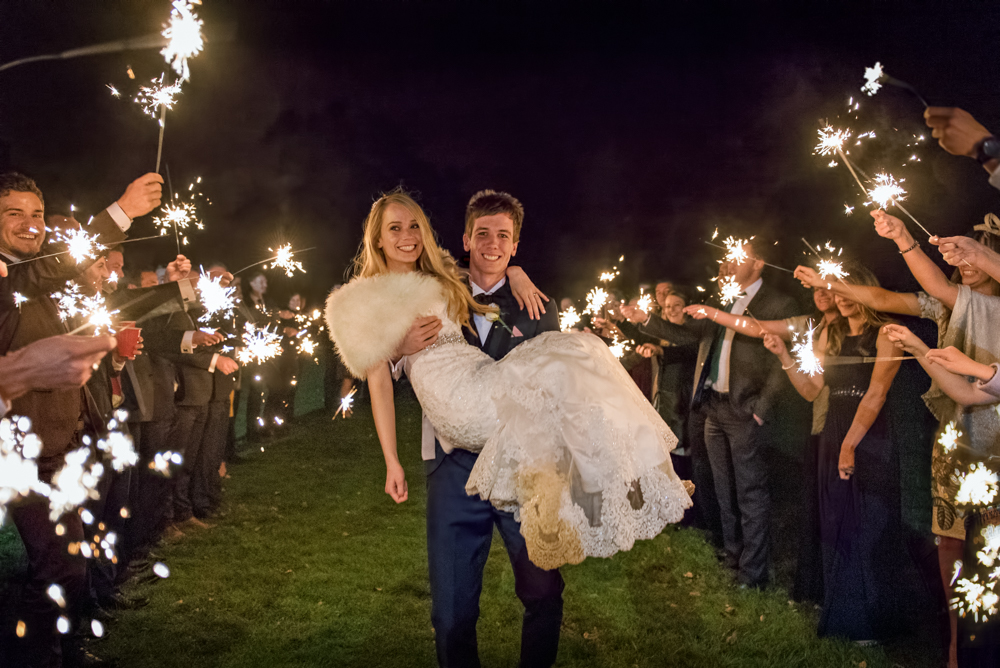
(956, 130)
(142, 195)
(701, 312)
(905, 340)
(890, 227)
(55, 363)
(206, 338)
(227, 365)
(179, 269)
(809, 277)
(647, 350)
(966, 251)
(776, 346)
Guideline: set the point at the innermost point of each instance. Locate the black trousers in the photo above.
(459, 532)
(185, 437)
(150, 493)
(737, 451)
(115, 491)
(49, 562)
(206, 488)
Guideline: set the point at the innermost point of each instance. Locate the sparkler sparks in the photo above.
(283, 260)
(735, 251)
(346, 404)
(596, 299)
(79, 244)
(177, 216)
(307, 346)
(848, 210)
(217, 300)
(978, 487)
(18, 471)
(118, 445)
(991, 548)
(886, 191)
(729, 290)
(831, 141)
(184, 33)
(151, 98)
(74, 483)
(607, 276)
(949, 437)
(19, 299)
(568, 319)
(975, 598)
(874, 78)
(645, 303)
(827, 267)
(114, 91)
(71, 303)
(259, 345)
(619, 347)
(163, 460)
(805, 354)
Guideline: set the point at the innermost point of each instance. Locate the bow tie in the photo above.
(483, 298)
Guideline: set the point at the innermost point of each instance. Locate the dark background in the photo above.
(624, 127)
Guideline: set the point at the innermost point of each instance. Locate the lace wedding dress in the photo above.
(567, 441)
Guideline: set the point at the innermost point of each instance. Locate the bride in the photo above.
(567, 441)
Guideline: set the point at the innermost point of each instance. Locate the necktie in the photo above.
(483, 298)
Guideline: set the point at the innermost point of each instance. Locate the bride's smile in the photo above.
(400, 239)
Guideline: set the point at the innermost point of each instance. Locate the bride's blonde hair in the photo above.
(434, 260)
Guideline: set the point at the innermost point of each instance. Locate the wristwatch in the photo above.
(988, 149)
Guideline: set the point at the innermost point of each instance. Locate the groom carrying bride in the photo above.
(459, 526)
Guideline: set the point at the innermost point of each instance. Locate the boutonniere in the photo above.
(494, 316)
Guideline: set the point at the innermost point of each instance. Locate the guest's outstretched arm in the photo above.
(928, 274)
(384, 412)
(876, 298)
(740, 323)
(807, 386)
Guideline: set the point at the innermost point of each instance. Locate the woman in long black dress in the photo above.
(858, 473)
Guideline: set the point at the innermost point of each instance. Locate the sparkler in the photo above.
(828, 266)
(184, 35)
(259, 345)
(346, 402)
(216, 299)
(596, 299)
(805, 354)
(79, 244)
(735, 251)
(949, 437)
(283, 260)
(607, 276)
(74, 483)
(307, 346)
(19, 299)
(179, 216)
(619, 347)
(645, 303)
(978, 487)
(975, 598)
(848, 210)
(729, 290)
(114, 91)
(19, 449)
(163, 460)
(887, 191)
(118, 445)
(991, 548)
(157, 97)
(568, 319)
(71, 302)
(876, 76)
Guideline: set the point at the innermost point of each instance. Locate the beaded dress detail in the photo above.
(567, 441)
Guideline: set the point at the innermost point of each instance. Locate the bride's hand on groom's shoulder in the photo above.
(526, 293)
(395, 483)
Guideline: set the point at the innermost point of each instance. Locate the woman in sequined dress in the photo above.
(858, 471)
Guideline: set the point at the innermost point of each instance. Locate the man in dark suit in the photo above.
(58, 417)
(737, 383)
(459, 526)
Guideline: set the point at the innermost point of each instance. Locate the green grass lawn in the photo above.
(313, 565)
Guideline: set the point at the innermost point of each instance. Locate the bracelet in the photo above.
(904, 252)
(790, 366)
(716, 315)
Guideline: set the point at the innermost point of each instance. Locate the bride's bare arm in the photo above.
(384, 412)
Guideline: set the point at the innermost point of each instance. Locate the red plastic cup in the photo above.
(128, 341)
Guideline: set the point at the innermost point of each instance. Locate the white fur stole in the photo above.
(369, 317)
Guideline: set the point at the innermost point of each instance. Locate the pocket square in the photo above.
(516, 332)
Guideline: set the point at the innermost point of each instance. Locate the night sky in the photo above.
(623, 127)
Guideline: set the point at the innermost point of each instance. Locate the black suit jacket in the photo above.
(755, 375)
(499, 341)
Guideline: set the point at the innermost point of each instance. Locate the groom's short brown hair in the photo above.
(490, 203)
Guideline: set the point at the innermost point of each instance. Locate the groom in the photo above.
(459, 526)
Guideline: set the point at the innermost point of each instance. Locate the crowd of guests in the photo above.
(720, 375)
(178, 381)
